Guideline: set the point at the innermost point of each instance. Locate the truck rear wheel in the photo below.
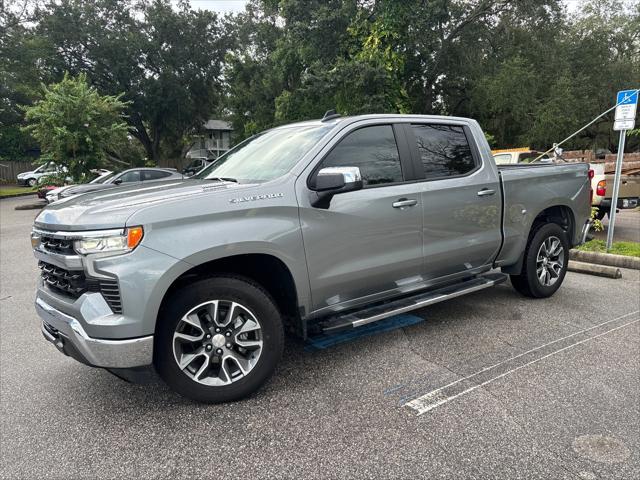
(218, 339)
(545, 262)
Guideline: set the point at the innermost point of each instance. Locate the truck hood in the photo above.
(88, 187)
(112, 207)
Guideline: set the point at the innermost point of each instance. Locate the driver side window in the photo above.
(373, 150)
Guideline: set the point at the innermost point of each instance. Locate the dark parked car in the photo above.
(128, 177)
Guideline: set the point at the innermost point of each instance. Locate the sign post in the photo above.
(627, 102)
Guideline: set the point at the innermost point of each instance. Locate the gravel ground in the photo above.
(515, 388)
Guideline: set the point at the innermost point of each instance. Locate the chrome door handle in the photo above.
(404, 202)
(486, 192)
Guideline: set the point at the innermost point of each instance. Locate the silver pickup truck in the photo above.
(312, 227)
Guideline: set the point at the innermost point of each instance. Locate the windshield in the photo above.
(265, 156)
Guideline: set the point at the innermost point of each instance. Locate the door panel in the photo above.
(369, 241)
(461, 229)
(362, 245)
(461, 200)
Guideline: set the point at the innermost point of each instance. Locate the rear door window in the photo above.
(133, 176)
(444, 150)
(154, 175)
(373, 150)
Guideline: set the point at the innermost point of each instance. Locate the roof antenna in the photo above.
(330, 115)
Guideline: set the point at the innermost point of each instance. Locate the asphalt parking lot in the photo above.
(491, 385)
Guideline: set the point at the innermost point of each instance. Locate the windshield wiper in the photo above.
(221, 179)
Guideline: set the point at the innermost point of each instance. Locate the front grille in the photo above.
(74, 283)
(62, 246)
(68, 282)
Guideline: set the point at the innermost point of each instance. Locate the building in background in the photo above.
(212, 141)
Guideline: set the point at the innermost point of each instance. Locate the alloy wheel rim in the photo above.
(217, 342)
(550, 261)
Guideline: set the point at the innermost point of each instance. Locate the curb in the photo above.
(594, 269)
(620, 261)
(14, 195)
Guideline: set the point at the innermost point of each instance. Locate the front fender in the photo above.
(195, 232)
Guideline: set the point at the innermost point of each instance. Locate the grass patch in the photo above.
(4, 192)
(629, 249)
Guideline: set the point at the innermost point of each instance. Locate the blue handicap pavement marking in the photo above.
(320, 342)
(627, 97)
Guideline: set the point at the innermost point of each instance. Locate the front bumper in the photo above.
(68, 336)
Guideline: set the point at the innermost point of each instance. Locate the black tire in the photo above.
(225, 288)
(31, 182)
(527, 282)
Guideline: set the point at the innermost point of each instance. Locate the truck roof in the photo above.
(373, 116)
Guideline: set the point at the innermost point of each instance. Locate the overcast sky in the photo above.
(236, 6)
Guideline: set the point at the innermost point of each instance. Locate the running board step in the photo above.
(379, 312)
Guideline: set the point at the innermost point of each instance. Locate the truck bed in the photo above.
(528, 190)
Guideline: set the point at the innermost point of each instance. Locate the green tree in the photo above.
(304, 57)
(75, 126)
(19, 79)
(168, 62)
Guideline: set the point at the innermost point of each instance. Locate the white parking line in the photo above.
(427, 402)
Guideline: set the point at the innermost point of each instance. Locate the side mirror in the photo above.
(117, 182)
(331, 181)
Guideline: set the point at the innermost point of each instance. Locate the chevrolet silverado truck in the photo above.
(312, 227)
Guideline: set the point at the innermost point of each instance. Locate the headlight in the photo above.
(109, 241)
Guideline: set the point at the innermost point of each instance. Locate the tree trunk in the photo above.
(151, 146)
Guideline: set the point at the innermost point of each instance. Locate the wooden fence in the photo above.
(9, 170)
(590, 157)
(630, 161)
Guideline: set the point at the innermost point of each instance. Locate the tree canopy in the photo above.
(524, 69)
(529, 72)
(167, 62)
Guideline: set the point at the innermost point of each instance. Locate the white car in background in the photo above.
(30, 179)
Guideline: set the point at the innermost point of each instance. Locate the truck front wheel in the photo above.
(545, 262)
(218, 339)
